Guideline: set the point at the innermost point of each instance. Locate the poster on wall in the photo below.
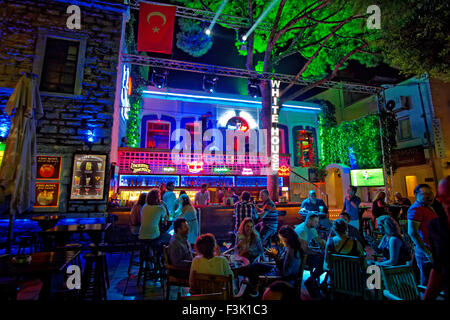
(48, 167)
(88, 177)
(47, 195)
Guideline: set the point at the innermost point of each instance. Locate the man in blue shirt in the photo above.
(351, 206)
(316, 205)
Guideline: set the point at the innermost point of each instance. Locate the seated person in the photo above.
(400, 200)
(341, 243)
(392, 245)
(179, 250)
(314, 204)
(135, 215)
(249, 243)
(281, 290)
(208, 260)
(307, 233)
(151, 216)
(288, 260)
(269, 215)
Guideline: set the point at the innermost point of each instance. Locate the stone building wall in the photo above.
(63, 129)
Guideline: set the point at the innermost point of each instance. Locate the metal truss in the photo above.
(204, 15)
(241, 73)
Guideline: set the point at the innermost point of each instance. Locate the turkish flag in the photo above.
(156, 25)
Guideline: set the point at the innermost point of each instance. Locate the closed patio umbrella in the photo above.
(18, 168)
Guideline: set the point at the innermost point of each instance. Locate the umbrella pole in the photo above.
(9, 239)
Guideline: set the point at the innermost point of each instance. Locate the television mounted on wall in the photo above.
(367, 177)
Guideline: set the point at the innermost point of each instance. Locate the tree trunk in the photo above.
(266, 118)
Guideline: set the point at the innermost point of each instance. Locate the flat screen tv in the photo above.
(367, 177)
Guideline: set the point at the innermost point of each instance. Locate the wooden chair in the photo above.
(209, 283)
(399, 283)
(175, 276)
(206, 296)
(347, 276)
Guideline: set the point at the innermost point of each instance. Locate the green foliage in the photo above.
(363, 135)
(192, 38)
(134, 120)
(416, 37)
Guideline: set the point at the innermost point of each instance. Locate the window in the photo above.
(59, 62)
(158, 134)
(304, 148)
(411, 183)
(60, 66)
(404, 129)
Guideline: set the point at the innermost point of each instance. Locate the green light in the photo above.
(221, 170)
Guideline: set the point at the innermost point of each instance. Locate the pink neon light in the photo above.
(195, 166)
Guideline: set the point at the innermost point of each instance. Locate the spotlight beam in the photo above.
(260, 18)
(213, 22)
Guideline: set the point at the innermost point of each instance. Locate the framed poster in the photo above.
(88, 177)
(47, 195)
(48, 168)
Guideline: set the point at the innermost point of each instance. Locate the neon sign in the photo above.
(275, 132)
(284, 171)
(140, 167)
(195, 166)
(247, 171)
(221, 170)
(169, 169)
(125, 92)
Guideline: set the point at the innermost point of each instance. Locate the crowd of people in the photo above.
(256, 227)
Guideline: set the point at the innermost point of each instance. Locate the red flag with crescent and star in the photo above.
(156, 23)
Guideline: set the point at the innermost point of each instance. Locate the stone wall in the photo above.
(63, 129)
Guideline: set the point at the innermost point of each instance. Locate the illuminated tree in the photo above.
(324, 34)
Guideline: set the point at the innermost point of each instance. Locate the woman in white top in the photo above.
(151, 215)
(187, 211)
(208, 259)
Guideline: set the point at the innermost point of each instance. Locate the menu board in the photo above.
(47, 195)
(88, 177)
(48, 167)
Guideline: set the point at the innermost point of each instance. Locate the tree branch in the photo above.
(204, 5)
(272, 34)
(333, 22)
(327, 78)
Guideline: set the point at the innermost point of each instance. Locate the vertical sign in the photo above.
(438, 139)
(275, 132)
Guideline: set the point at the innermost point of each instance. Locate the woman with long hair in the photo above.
(379, 205)
(249, 243)
(135, 215)
(288, 261)
(152, 214)
(392, 246)
(187, 211)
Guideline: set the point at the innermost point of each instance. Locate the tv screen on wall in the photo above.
(367, 177)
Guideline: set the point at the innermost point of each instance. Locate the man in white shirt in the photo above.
(202, 197)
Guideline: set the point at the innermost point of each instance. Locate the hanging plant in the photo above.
(134, 120)
(192, 38)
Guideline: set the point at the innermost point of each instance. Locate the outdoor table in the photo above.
(62, 233)
(43, 265)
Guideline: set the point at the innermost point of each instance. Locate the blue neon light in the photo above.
(253, 102)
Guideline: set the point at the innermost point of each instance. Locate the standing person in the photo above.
(123, 142)
(170, 199)
(379, 205)
(162, 189)
(220, 195)
(152, 213)
(234, 196)
(187, 211)
(269, 214)
(244, 209)
(419, 215)
(135, 215)
(438, 232)
(180, 250)
(402, 202)
(307, 232)
(202, 197)
(351, 206)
